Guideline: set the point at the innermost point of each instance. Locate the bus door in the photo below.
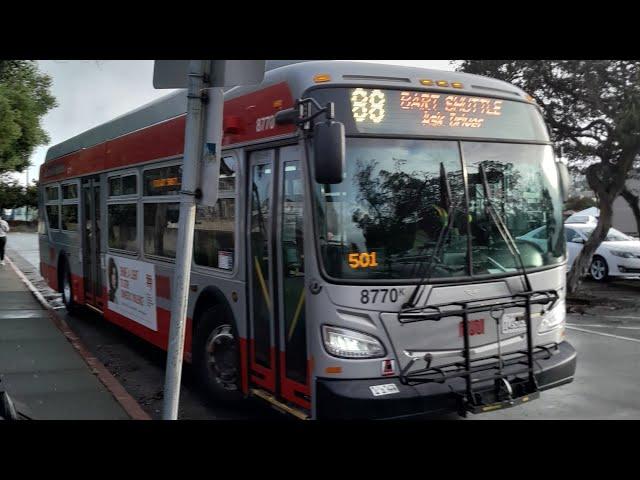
(278, 349)
(91, 242)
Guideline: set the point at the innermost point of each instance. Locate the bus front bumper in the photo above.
(354, 399)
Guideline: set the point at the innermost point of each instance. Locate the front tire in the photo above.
(599, 269)
(216, 356)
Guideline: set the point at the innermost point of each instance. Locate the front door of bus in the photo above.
(277, 339)
(91, 242)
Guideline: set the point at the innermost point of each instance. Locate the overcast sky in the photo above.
(90, 92)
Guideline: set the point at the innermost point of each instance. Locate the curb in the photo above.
(126, 401)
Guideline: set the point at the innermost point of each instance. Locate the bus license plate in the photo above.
(388, 389)
(513, 323)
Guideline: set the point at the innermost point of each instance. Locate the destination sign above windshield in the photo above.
(410, 112)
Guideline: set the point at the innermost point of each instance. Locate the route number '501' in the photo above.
(363, 260)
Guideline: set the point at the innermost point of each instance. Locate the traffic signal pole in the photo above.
(184, 249)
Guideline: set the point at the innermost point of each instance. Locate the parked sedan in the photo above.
(617, 256)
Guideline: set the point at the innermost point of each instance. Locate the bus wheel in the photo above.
(216, 356)
(599, 269)
(67, 291)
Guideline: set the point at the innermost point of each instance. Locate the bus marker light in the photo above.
(442, 83)
(456, 84)
(426, 82)
(333, 370)
(277, 104)
(232, 124)
(388, 367)
(322, 77)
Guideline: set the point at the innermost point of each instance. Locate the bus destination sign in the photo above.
(434, 109)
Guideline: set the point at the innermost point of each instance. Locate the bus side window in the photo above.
(52, 198)
(214, 236)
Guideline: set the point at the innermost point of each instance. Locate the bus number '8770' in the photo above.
(380, 295)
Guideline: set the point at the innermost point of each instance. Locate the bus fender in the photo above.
(209, 297)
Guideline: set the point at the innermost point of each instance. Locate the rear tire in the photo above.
(599, 269)
(66, 288)
(216, 355)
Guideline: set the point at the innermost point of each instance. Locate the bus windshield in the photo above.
(383, 221)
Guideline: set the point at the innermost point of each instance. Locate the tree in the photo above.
(632, 198)
(593, 110)
(579, 203)
(11, 194)
(31, 195)
(24, 99)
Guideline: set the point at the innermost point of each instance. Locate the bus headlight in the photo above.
(344, 343)
(554, 318)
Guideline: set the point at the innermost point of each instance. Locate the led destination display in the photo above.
(410, 112)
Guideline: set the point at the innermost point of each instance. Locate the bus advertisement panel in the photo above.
(132, 290)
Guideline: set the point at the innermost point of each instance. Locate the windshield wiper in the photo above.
(502, 228)
(451, 210)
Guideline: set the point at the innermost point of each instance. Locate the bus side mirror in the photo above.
(563, 174)
(329, 152)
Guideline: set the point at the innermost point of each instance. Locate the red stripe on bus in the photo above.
(244, 368)
(163, 287)
(77, 283)
(290, 387)
(268, 379)
(255, 112)
(51, 275)
(159, 338)
(252, 114)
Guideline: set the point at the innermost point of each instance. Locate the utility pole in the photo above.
(184, 249)
(203, 127)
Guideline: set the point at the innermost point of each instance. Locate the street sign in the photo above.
(222, 73)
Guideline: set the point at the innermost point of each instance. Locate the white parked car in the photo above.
(617, 256)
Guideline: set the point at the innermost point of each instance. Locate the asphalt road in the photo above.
(606, 386)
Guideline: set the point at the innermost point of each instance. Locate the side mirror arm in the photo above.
(294, 115)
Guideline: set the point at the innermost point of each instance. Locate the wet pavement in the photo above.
(39, 368)
(606, 385)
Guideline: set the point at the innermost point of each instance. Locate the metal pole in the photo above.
(181, 276)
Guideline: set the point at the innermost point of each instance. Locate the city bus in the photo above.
(367, 254)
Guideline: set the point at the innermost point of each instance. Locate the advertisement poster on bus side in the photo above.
(132, 290)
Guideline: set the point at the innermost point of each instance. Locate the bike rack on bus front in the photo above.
(470, 400)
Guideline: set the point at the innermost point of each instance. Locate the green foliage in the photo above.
(31, 196)
(579, 203)
(24, 99)
(11, 194)
(14, 195)
(591, 106)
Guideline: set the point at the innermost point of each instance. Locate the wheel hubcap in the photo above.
(221, 357)
(597, 269)
(66, 291)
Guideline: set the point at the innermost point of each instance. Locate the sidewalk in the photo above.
(39, 367)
